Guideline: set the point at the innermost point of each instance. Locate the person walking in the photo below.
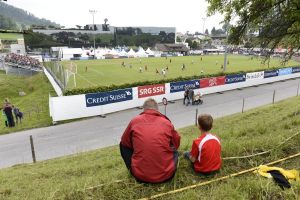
(191, 96)
(186, 94)
(149, 145)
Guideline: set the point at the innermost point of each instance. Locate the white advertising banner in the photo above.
(255, 76)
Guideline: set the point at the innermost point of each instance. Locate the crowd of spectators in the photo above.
(22, 60)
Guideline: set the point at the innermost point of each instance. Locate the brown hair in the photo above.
(205, 122)
(150, 104)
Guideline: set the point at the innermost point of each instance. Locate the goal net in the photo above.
(71, 71)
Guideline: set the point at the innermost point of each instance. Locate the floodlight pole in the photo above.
(204, 19)
(93, 12)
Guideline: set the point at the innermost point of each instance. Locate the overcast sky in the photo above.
(184, 15)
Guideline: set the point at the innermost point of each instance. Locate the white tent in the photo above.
(141, 53)
(123, 53)
(113, 52)
(67, 54)
(149, 52)
(131, 53)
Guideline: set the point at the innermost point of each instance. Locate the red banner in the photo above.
(151, 90)
(211, 82)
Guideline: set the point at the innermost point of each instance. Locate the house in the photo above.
(172, 48)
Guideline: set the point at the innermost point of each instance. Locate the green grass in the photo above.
(110, 71)
(10, 36)
(241, 134)
(34, 105)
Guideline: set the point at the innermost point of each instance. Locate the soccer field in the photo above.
(110, 71)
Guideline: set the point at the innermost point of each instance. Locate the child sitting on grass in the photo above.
(206, 150)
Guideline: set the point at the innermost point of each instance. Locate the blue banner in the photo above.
(180, 86)
(296, 69)
(97, 99)
(285, 71)
(271, 73)
(235, 78)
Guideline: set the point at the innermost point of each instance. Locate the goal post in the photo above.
(71, 70)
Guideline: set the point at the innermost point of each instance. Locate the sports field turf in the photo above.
(110, 71)
(10, 36)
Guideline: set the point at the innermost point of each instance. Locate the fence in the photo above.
(86, 105)
(57, 72)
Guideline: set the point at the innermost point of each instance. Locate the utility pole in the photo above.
(93, 12)
(225, 53)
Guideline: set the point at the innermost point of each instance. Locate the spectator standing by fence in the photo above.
(7, 108)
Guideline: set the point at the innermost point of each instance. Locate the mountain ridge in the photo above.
(22, 18)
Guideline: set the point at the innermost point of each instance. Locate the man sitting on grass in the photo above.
(206, 150)
(149, 146)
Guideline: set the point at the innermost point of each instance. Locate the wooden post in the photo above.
(243, 106)
(298, 89)
(196, 118)
(32, 149)
(274, 97)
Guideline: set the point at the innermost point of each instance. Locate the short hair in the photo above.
(150, 104)
(205, 122)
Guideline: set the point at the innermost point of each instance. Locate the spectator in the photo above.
(7, 108)
(191, 96)
(186, 94)
(4, 117)
(149, 145)
(206, 150)
(22, 60)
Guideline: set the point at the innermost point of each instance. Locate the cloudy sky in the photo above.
(184, 15)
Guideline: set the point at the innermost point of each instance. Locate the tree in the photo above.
(190, 42)
(7, 23)
(206, 32)
(213, 31)
(275, 22)
(194, 45)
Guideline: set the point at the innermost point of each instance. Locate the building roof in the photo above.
(171, 47)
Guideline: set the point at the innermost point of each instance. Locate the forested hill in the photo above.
(20, 18)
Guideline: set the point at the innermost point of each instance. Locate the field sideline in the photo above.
(110, 71)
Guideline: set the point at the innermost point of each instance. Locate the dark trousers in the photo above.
(10, 119)
(186, 97)
(126, 154)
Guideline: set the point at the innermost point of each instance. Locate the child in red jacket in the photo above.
(206, 149)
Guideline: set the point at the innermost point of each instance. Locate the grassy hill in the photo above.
(21, 17)
(34, 105)
(101, 174)
(110, 71)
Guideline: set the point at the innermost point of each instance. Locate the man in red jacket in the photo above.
(149, 145)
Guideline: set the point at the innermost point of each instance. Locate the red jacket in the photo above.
(154, 141)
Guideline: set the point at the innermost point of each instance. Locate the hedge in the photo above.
(142, 83)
